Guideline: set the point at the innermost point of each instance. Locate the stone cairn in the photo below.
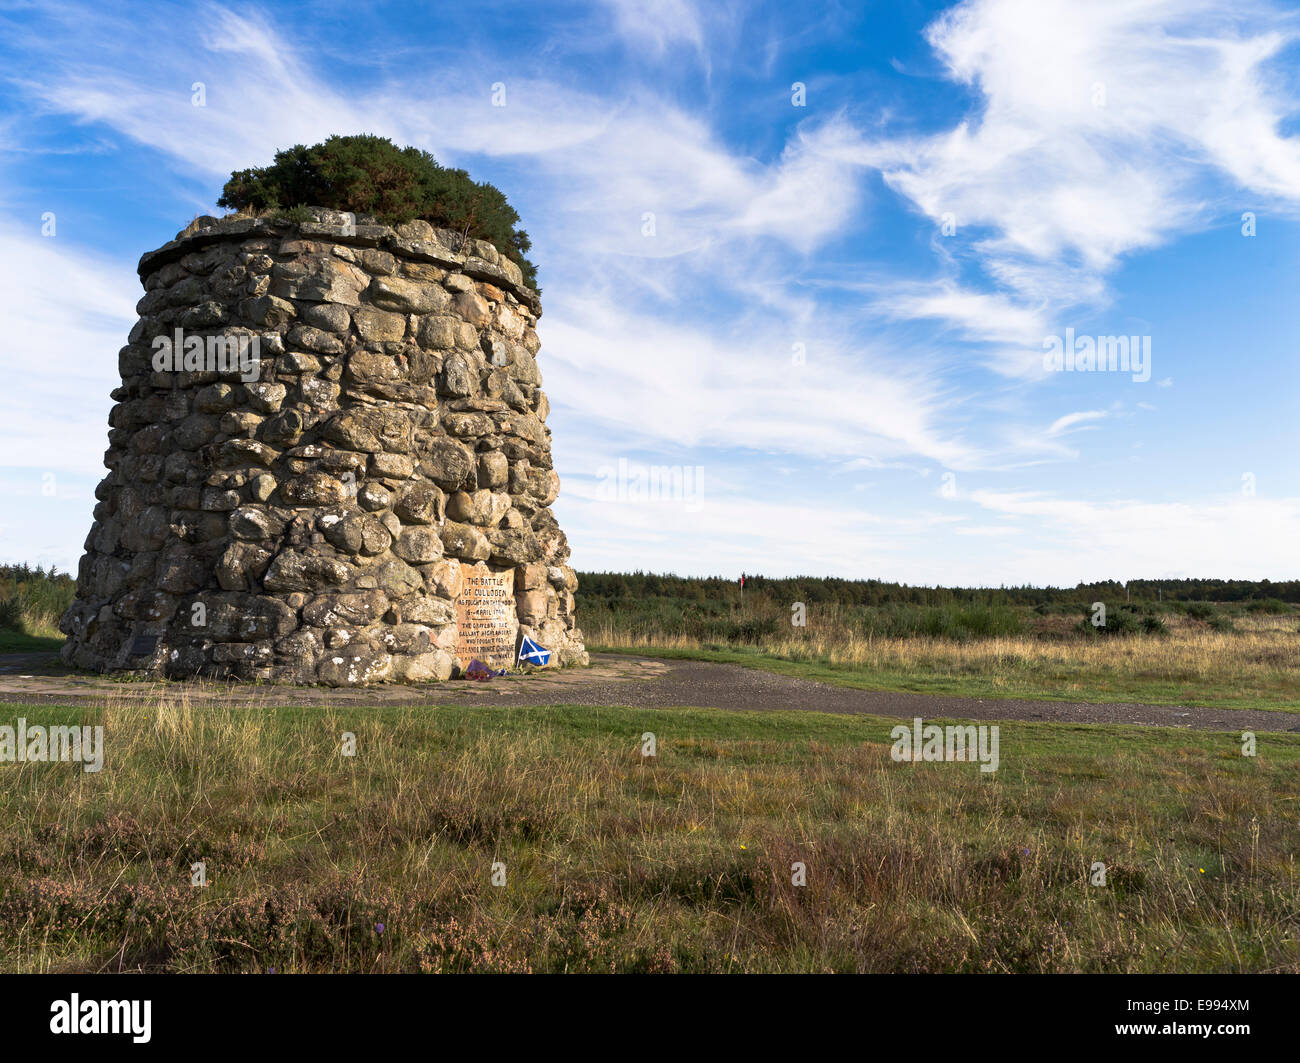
(343, 473)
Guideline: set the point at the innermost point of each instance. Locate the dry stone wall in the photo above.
(328, 462)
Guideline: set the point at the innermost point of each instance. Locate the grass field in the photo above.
(615, 862)
(20, 642)
(31, 602)
(683, 862)
(1255, 667)
(1212, 655)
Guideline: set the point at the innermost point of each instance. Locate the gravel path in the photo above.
(732, 686)
(633, 681)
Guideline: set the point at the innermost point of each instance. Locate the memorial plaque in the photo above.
(485, 617)
(143, 646)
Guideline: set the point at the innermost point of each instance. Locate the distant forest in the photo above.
(52, 590)
(615, 585)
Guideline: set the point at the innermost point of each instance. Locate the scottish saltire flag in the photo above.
(532, 653)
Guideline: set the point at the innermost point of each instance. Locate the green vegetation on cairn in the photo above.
(368, 174)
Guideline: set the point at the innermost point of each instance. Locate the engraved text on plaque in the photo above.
(485, 617)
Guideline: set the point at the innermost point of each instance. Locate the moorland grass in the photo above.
(31, 602)
(615, 862)
(1252, 664)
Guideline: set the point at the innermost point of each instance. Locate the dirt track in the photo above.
(634, 681)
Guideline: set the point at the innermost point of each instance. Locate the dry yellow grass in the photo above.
(1257, 665)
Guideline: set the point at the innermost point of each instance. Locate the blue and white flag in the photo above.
(532, 653)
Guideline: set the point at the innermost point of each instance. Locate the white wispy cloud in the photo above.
(1102, 129)
(662, 383)
(1231, 537)
(70, 312)
(1061, 424)
(978, 315)
(657, 24)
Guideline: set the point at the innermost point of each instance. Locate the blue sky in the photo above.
(839, 314)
